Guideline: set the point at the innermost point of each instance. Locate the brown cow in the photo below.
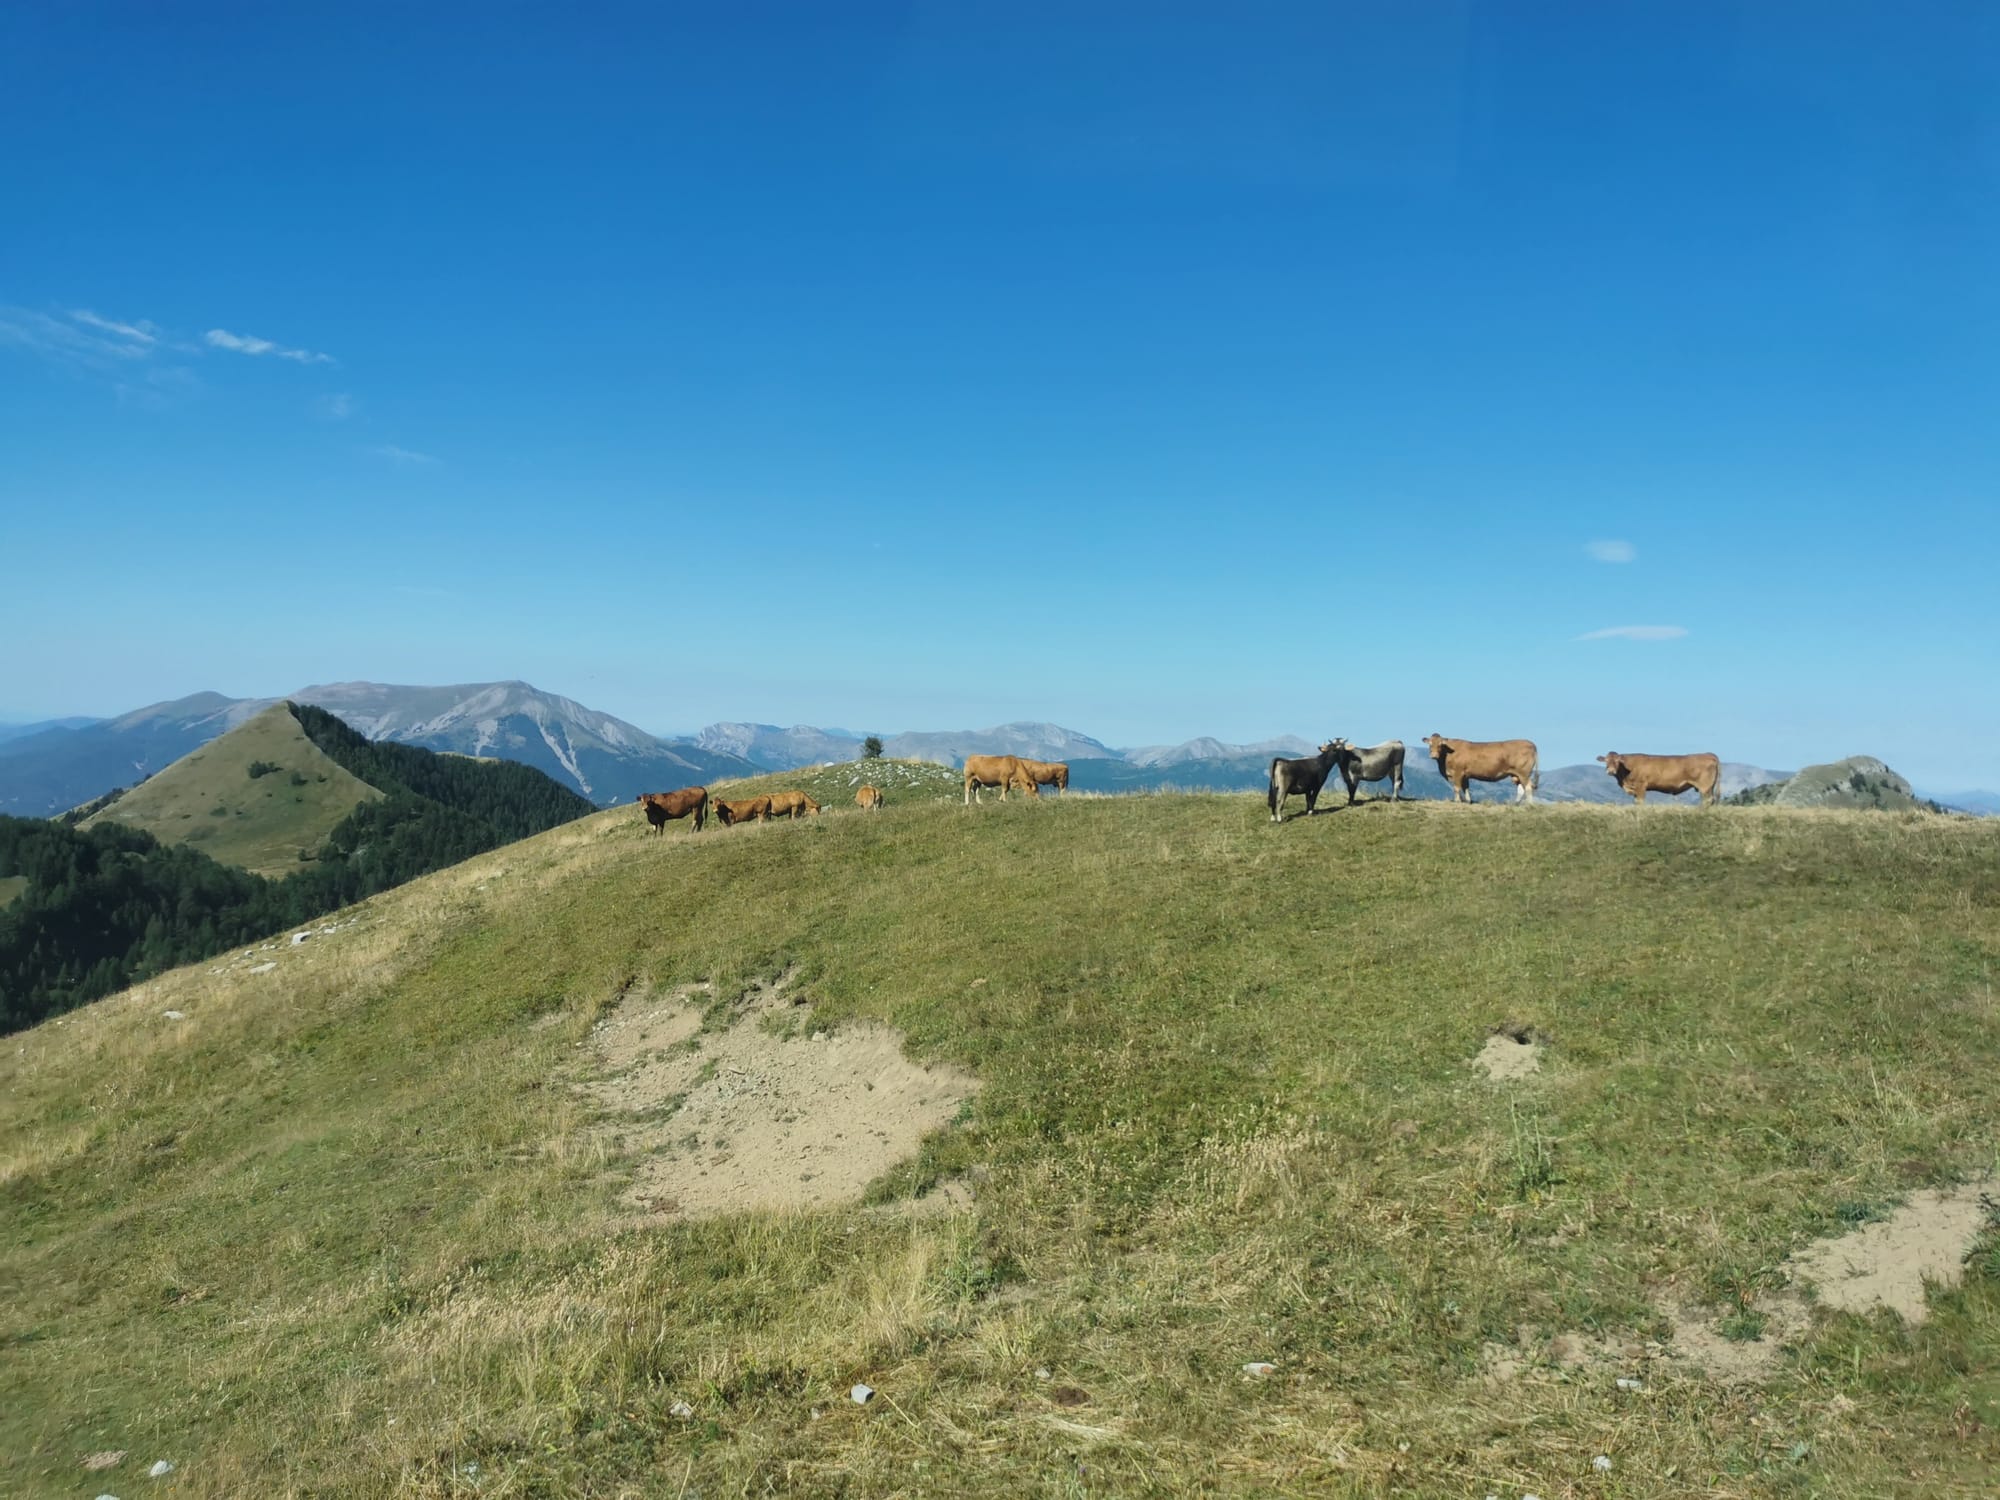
(1640, 774)
(660, 806)
(1043, 773)
(733, 813)
(869, 799)
(1461, 761)
(791, 804)
(1002, 771)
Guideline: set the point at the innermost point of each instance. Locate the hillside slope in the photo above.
(348, 1222)
(262, 797)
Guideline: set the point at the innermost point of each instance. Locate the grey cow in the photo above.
(1373, 764)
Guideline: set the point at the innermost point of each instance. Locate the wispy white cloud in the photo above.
(337, 407)
(397, 455)
(243, 343)
(141, 332)
(1612, 552)
(1636, 633)
(70, 341)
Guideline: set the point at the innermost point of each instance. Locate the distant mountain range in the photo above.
(600, 757)
(48, 768)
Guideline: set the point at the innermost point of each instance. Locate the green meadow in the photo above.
(350, 1226)
(263, 822)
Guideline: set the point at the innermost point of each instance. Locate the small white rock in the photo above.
(1260, 1368)
(1629, 1383)
(861, 1395)
(819, 1036)
(160, 1470)
(1601, 1464)
(1043, 1374)
(263, 968)
(299, 937)
(174, 1015)
(681, 1409)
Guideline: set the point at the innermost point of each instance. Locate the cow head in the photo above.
(1331, 747)
(1436, 745)
(1613, 762)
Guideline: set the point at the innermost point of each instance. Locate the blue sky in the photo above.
(1156, 370)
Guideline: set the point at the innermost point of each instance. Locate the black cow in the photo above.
(1305, 777)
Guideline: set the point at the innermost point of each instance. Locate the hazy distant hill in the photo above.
(55, 769)
(22, 731)
(1209, 749)
(1037, 741)
(1859, 781)
(259, 797)
(780, 749)
(605, 758)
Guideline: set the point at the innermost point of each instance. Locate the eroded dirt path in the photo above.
(770, 1112)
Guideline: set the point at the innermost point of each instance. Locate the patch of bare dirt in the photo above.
(773, 1112)
(1511, 1052)
(1887, 1263)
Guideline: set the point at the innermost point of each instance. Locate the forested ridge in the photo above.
(105, 907)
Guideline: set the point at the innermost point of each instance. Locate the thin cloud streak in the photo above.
(142, 331)
(1636, 633)
(1612, 552)
(244, 343)
(397, 455)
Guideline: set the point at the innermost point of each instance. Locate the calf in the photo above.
(868, 799)
(1373, 764)
(1043, 773)
(732, 813)
(660, 806)
(1304, 776)
(1640, 774)
(1463, 761)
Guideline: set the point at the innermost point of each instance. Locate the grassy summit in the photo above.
(261, 822)
(351, 1225)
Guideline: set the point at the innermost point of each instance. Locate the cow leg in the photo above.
(1396, 795)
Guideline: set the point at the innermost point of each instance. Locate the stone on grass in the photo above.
(1601, 1464)
(263, 968)
(1629, 1383)
(681, 1409)
(108, 1458)
(861, 1395)
(160, 1470)
(173, 1015)
(1260, 1368)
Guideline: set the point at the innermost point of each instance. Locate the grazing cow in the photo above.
(1373, 764)
(1304, 776)
(869, 799)
(1462, 761)
(733, 813)
(660, 806)
(1002, 771)
(1640, 774)
(792, 804)
(1053, 773)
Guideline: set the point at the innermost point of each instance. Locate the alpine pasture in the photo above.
(359, 1219)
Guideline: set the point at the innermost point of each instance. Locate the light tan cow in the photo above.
(1002, 771)
(792, 804)
(868, 799)
(1640, 774)
(750, 808)
(1462, 761)
(1053, 773)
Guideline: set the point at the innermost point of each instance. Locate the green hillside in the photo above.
(259, 797)
(360, 1218)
